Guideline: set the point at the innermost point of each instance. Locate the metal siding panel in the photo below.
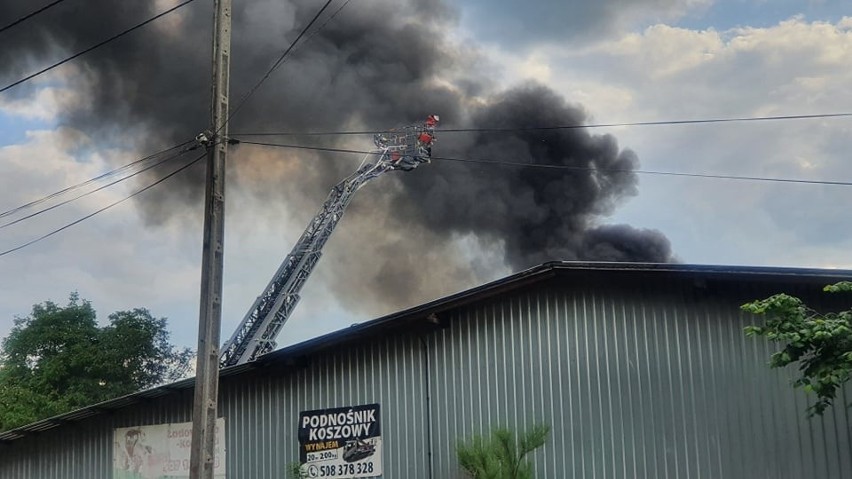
(649, 383)
(658, 387)
(344, 378)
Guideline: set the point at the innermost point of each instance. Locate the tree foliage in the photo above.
(58, 359)
(501, 456)
(820, 342)
(296, 471)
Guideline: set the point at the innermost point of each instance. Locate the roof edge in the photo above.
(511, 282)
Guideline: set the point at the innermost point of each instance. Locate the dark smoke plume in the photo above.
(539, 214)
(381, 63)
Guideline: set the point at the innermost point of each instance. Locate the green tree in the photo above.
(501, 456)
(58, 359)
(820, 342)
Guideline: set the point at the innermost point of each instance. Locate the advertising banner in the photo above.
(343, 442)
(160, 451)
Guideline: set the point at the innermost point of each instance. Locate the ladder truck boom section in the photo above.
(399, 149)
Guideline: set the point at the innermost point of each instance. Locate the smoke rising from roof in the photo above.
(539, 214)
(381, 63)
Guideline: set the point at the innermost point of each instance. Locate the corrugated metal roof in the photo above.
(424, 314)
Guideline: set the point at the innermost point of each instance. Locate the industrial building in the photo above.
(641, 370)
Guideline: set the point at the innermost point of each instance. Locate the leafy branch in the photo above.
(820, 342)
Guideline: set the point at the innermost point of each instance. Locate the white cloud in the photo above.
(663, 50)
(112, 259)
(670, 73)
(45, 104)
(118, 261)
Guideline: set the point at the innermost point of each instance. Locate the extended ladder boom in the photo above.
(401, 149)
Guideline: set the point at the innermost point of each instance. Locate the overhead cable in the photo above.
(95, 46)
(84, 218)
(322, 27)
(92, 180)
(30, 15)
(90, 192)
(242, 101)
(647, 172)
(567, 167)
(567, 127)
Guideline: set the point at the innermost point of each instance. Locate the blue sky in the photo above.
(518, 23)
(726, 14)
(13, 128)
(643, 60)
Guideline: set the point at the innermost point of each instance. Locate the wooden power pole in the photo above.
(203, 444)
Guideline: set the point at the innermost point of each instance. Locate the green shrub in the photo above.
(501, 456)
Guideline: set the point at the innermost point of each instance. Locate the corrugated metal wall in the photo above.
(657, 382)
(636, 384)
(263, 413)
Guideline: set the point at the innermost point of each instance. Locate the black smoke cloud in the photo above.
(379, 64)
(539, 214)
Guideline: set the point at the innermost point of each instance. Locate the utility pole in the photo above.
(202, 449)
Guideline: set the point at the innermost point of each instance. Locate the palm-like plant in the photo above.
(501, 456)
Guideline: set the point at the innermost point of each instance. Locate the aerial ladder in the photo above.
(399, 149)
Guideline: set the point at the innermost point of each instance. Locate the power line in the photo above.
(62, 203)
(569, 167)
(91, 180)
(30, 15)
(324, 24)
(63, 228)
(569, 127)
(95, 46)
(280, 60)
(648, 172)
